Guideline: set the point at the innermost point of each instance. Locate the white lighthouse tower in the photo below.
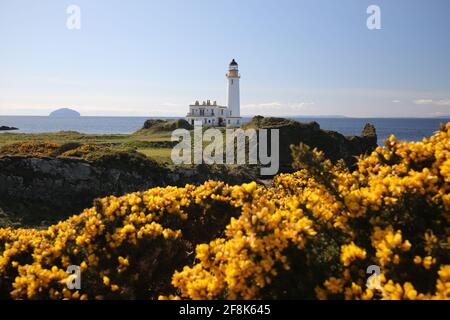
(233, 98)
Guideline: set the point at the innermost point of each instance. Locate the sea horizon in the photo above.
(243, 116)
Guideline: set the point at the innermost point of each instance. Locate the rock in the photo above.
(370, 133)
(46, 186)
(369, 130)
(65, 113)
(335, 145)
(5, 128)
(197, 174)
(157, 125)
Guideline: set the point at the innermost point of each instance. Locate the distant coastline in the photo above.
(244, 116)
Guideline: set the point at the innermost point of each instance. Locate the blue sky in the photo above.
(296, 57)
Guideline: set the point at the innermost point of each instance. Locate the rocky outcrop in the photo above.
(370, 134)
(159, 125)
(5, 128)
(47, 186)
(335, 145)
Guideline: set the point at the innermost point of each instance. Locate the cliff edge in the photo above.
(335, 145)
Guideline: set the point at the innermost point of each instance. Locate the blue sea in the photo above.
(410, 129)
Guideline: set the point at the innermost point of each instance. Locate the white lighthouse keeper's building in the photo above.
(212, 114)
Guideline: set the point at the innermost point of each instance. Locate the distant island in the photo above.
(65, 113)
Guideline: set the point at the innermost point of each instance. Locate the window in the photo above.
(192, 121)
(209, 121)
(228, 121)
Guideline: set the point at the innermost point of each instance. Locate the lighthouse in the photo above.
(233, 97)
(209, 113)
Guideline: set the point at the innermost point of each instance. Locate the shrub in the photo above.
(126, 247)
(313, 234)
(31, 148)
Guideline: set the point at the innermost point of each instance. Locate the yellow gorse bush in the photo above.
(312, 234)
(117, 244)
(315, 232)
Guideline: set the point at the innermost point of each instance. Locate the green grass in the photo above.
(155, 145)
(64, 137)
(160, 155)
(141, 142)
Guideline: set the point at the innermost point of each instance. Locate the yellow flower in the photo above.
(114, 287)
(350, 253)
(334, 285)
(428, 262)
(106, 281)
